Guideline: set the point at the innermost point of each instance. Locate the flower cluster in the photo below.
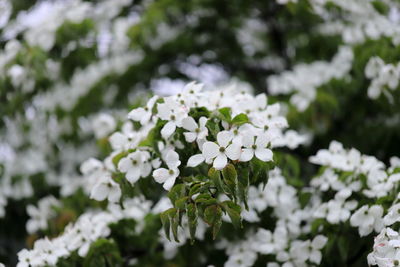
(90, 227)
(384, 77)
(302, 82)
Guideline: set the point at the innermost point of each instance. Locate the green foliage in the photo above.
(103, 253)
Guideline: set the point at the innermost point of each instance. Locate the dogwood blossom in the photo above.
(222, 150)
(168, 176)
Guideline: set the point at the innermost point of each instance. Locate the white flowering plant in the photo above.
(238, 168)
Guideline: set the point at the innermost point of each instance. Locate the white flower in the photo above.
(168, 176)
(103, 125)
(308, 250)
(196, 131)
(135, 165)
(373, 67)
(172, 112)
(255, 146)
(143, 114)
(41, 214)
(368, 219)
(222, 151)
(106, 188)
(393, 215)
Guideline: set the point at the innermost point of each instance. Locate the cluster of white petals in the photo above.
(78, 236)
(384, 77)
(302, 82)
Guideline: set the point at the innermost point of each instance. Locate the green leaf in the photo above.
(103, 252)
(229, 173)
(233, 211)
(225, 114)
(180, 203)
(166, 223)
(243, 185)
(213, 217)
(230, 179)
(205, 199)
(192, 220)
(380, 7)
(240, 119)
(194, 189)
(177, 191)
(175, 221)
(215, 176)
(213, 127)
(198, 112)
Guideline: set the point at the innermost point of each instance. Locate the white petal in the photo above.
(114, 194)
(125, 164)
(202, 122)
(319, 242)
(195, 160)
(136, 114)
(168, 129)
(220, 161)
(172, 159)
(247, 140)
(99, 192)
(262, 141)
(224, 138)
(145, 169)
(233, 151)
(190, 137)
(261, 100)
(133, 174)
(118, 140)
(316, 256)
(83, 250)
(264, 154)
(163, 111)
(169, 183)
(145, 118)
(189, 124)
(161, 175)
(210, 150)
(247, 154)
(202, 134)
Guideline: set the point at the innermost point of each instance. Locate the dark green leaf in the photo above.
(233, 211)
(192, 220)
(213, 217)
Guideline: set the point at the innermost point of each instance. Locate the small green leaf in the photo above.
(192, 219)
(180, 203)
(174, 219)
(177, 192)
(213, 127)
(198, 112)
(166, 224)
(240, 119)
(103, 252)
(215, 176)
(213, 217)
(229, 173)
(194, 189)
(233, 211)
(225, 114)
